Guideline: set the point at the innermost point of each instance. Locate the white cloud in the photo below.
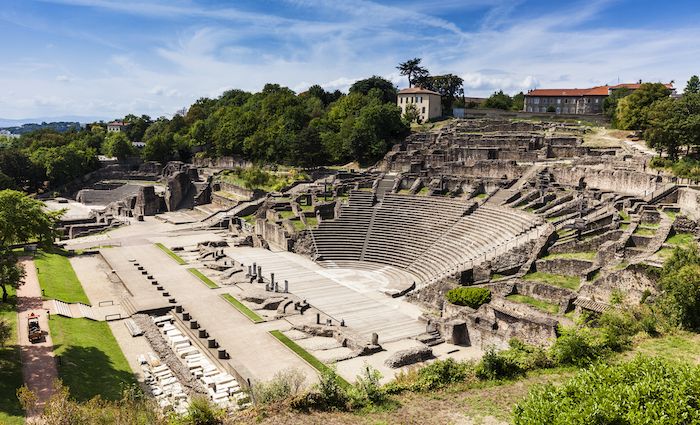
(355, 39)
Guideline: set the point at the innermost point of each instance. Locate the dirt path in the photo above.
(38, 364)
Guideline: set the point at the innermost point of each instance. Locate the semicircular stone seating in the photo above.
(429, 237)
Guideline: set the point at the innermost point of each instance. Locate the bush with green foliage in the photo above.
(578, 346)
(468, 296)
(680, 282)
(282, 386)
(497, 365)
(643, 391)
(436, 375)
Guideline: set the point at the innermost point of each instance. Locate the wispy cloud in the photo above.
(159, 56)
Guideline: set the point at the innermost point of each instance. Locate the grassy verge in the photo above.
(545, 306)
(586, 255)
(58, 279)
(10, 366)
(681, 239)
(308, 357)
(644, 231)
(253, 316)
(91, 361)
(679, 346)
(205, 280)
(568, 282)
(172, 255)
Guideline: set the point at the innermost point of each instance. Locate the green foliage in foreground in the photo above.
(92, 363)
(468, 296)
(253, 316)
(308, 357)
(10, 366)
(171, 254)
(643, 391)
(680, 281)
(58, 279)
(205, 280)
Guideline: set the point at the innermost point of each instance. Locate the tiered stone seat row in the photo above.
(469, 240)
(344, 237)
(405, 226)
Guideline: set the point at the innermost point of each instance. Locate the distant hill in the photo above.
(10, 122)
(60, 126)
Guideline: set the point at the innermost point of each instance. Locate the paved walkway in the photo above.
(253, 350)
(38, 365)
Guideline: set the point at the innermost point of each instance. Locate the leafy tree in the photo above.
(22, 219)
(325, 97)
(386, 87)
(680, 282)
(610, 103)
(5, 332)
(411, 114)
(450, 87)
(412, 69)
(6, 182)
(137, 126)
(632, 111)
(693, 85)
(118, 145)
(518, 102)
(499, 100)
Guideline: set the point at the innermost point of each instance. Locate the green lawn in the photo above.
(568, 282)
(250, 219)
(308, 357)
(681, 239)
(624, 216)
(172, 255)
(11, 412)
(585, 255)
(311, 222)
(91, 361)
(679, 346)
(565, 232)
(253, 316)
(664, 253)
(671, 214)
(644, 231)
(286, 214)
(58, 280)
(205, 280)
(307, 208)
(424, 191)
(545, 306)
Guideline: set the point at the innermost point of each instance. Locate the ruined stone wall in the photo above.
(272, 233)
(620, 181)
(552, 294)
(631, 282)
(591, 244)
(689, 202)
(563, 266)
(488, 169)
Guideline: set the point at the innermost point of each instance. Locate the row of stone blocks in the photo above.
(212, 343)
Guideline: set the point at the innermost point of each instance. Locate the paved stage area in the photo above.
(254, 352)
(344, 294)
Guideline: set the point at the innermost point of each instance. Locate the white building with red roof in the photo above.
(427, 102)
(573, 101)
(116, 126)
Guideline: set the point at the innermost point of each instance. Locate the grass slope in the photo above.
(541, 305)
(242, 308)
(58, 280)
(91, 361)
(210, 283)
(171, 254)
(308, 357)
(10, 367)
(568, 282)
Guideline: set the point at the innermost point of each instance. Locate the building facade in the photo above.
(116, 126)
(573, 101)
(427, 102)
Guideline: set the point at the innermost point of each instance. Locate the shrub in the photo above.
(643, 391)
(578, 346)
(367, 391)
(471, 297)
(202, 412)
(618, 328)
(527, 357)
(282, 386)
(494, 365)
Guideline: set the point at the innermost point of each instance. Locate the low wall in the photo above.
(631, 282)
(689, 202)
(564, 266)
(606, 179)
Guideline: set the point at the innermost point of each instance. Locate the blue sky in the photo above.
(108, 58)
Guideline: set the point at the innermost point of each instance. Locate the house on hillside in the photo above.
(116, 126)
(573, 101)
(427, 102)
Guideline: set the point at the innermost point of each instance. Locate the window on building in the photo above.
(566, 100)
(558, 101)
(536, 100)
(420, 99)
(424, 109)
(596, 100)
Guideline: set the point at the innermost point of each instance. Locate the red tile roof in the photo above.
(417, 90)
(593, 91)
(118, 123)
